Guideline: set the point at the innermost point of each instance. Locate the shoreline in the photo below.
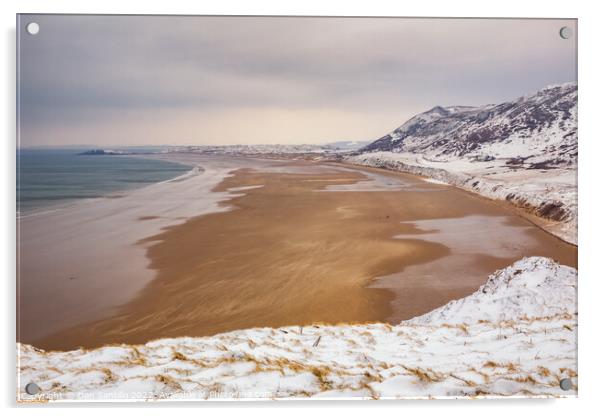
(535, 208)
(83, 262)
(244, 212)
(71, 202)
(95, 243)
(532, 218)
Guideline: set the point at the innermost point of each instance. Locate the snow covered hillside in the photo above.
(523, 151)
(284, 150)
(273, 149)
(536, 131)
(515, 336)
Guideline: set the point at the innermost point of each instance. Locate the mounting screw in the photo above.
(566, 32)
(32, 388)
(566, 384)
(32, 28)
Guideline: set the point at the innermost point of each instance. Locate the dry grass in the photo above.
(491, 364)
(168, 381)
(570, 328)
(469, 383)
(510, 367)
(486, 378)
(365, 386)
(524, 379)
(321, 374)
(543, 371)
(110, 377)
(425, 375)
(373, 377)
(138, 358)
(281, 364)
(568, 371)
(462, 327)
(352, 343)
(288, 355)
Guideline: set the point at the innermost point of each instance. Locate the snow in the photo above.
(273, 149)
(537, 130)
(523, 151)
(515, 336)
(536, 191)
(435, 181)
(269, 149)
(469, 240)
(533, 287)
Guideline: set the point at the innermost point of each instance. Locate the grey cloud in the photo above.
(79, 65)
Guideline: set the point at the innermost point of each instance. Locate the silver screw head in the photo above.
(32, 28)
(32, 388)
(566, 32)
(566, 384)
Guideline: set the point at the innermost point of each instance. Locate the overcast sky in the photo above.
(109, 80)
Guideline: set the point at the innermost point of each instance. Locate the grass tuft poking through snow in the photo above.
(515, 336)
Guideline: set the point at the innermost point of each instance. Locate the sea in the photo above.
(53, 177)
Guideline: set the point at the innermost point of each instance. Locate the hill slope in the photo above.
(523, 151)
(536, 131)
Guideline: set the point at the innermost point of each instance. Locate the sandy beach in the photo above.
(80, 262)
(296, 242)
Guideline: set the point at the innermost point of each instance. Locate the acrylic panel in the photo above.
(256, 207)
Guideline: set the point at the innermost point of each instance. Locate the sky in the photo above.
(201, 80)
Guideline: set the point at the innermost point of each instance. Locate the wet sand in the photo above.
(80, 262)
(294, 249)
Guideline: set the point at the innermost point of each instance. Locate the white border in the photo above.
(590, 166)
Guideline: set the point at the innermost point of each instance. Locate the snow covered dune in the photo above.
(515, 336)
